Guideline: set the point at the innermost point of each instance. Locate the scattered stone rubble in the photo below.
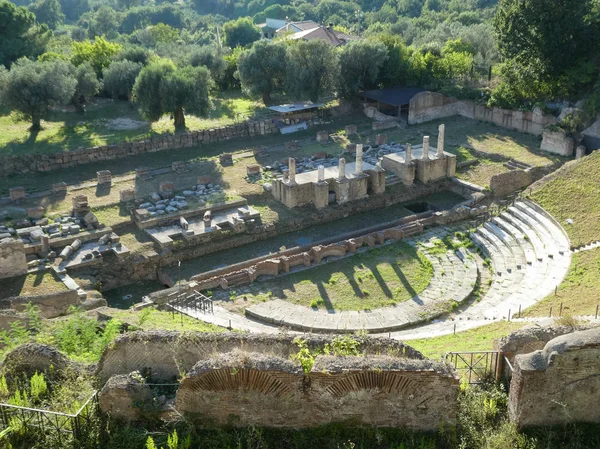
(163, 204)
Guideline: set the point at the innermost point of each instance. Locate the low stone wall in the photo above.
(167, 354)
(50, 305)
(559, 384)
(10, 165)
(428, 106)
(506, 183)
(273, 266)
(378, 391)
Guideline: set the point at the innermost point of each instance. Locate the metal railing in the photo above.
(62, 427)
(190, 304)
(479, 367)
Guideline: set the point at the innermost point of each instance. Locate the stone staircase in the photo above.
(529, 253)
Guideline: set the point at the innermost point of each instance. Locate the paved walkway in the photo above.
(529, 255)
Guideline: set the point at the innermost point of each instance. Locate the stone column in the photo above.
(321, 173)
(440, 144)
(45, 244)
(425, 147)
(342, 169)
(408, 155)
(359, 162)
(292, 172)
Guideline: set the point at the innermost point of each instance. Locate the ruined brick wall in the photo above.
(168, 354)
(531, 338)
(12, 258)
(47, 162)
(379, 391)
(559, 384)
(428, 106)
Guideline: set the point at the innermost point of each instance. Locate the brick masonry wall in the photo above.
(167, 354)
(380, 391)
(10, 165)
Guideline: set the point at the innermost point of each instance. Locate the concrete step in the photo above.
(519, 237)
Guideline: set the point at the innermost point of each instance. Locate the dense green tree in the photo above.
(87, 85)
(262, 69)
(161, 33)
(104, 22)
(98, 53)
(74, 9)
(119, 78)
(161, 88)
(32, 88)
(20, 35)
(134, 53)
(312, 69)
(397, 68)
(240, 32)
(360, 64)
(48, 12)
(210, 57)
(547, 44)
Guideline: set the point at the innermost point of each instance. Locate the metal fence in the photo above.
(478, 367)
(64, 428)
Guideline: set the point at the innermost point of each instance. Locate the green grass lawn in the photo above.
(575, 193)
(579, 293)
(477, 339)
(107, 121)
(381, 277)
(40, 283)
(153, 319)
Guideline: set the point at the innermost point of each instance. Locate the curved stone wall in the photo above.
(168, 354)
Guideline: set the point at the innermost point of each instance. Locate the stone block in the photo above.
(104, 178)
(580, 152)
(322, 137)
(16, 193)
(253, 170)
(350, 130)
(142, 173)
(166, 187)
(36, 213)
(226, 159)
(59, 187)
(178, 166)
(127, 195)
(381, 139)
(557, 142)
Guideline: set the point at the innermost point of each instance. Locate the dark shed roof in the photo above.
(395, 96)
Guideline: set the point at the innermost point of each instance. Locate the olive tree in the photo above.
(161, 89)
(34, 87)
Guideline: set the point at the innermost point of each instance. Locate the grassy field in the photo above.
(152, 319)
(579, 292)
(40, 283)
(574, 193)
(107, 121)
(478, 339)
(368, 280)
